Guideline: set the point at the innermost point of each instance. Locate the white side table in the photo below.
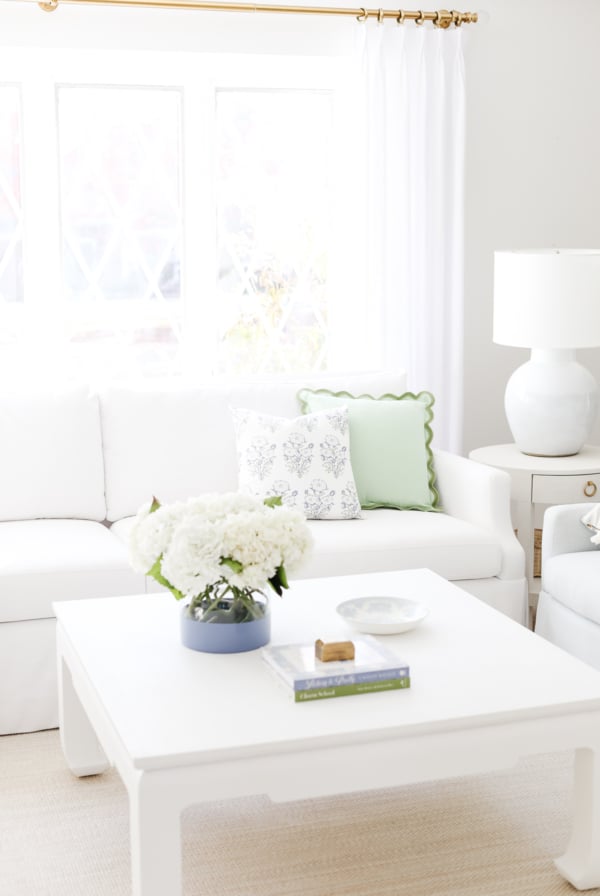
(537, 483)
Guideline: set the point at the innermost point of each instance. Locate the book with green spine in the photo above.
(347, 690)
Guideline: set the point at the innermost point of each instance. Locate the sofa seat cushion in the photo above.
(393, 539)
(402, 539)
(46, 560)
(572, 580)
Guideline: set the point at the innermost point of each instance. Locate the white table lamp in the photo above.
(548, 300)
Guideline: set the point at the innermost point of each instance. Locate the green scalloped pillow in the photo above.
(390, 439)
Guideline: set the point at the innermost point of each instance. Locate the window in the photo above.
(121, 223)
(274, 207)
(180, 214)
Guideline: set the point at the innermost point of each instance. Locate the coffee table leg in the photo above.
(580, 864)
(83, 753)
(155, 823)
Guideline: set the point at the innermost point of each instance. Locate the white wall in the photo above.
(533, 170)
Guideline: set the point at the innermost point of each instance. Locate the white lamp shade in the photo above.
(547, 298)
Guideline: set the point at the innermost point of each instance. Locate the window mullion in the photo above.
(199, 272)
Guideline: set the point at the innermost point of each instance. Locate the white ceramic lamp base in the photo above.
(551, 404)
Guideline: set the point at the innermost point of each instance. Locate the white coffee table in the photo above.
(183, 727)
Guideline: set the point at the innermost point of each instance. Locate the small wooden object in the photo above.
(334, 650)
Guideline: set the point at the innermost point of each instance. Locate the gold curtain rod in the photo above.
(441, 18)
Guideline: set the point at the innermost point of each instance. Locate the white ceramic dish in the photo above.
(382, 615)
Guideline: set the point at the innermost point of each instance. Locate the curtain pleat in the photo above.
(415, 106)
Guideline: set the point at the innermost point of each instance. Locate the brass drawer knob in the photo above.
(590, 489)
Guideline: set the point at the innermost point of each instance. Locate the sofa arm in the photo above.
(480, 495)
(563, 531)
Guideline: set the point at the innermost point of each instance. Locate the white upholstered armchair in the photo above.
(569, 605)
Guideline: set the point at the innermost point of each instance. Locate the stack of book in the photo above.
(374, 668)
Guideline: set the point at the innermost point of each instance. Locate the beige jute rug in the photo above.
(490, 835)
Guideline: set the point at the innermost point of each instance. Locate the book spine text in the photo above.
(346, 690)
(330, 681)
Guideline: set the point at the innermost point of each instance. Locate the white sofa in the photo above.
(568, 612)
(76, 466)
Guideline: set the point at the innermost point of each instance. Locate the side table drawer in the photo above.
(566, 489)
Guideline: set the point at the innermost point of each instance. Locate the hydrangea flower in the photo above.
(219, 546)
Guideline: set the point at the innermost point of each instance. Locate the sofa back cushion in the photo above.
(178, 442)
(51, 455)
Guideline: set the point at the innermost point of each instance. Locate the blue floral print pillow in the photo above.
(305, 460)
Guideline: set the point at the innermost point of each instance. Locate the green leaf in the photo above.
(234, 565)
(155, 504)
(279, 581)
(283, 577)
(276, 584)
(156, 574)
(275, 501)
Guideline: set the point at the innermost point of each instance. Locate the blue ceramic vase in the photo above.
(219, 631)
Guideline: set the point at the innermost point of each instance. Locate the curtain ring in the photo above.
(420, 18)
(364, 15)
(380, 15)
(456, 18)
(401, 17)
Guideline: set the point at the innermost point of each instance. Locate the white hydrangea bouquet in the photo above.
(219, 551)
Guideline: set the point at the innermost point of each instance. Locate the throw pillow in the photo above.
(306, 461)
(390, 446)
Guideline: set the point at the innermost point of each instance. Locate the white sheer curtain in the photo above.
(415, 108)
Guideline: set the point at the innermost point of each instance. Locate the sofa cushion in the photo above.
(386, 540)
(192, 427)
(390, 441)
(304, 460)
(51, 455)
(46, 560)
(572, 580)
